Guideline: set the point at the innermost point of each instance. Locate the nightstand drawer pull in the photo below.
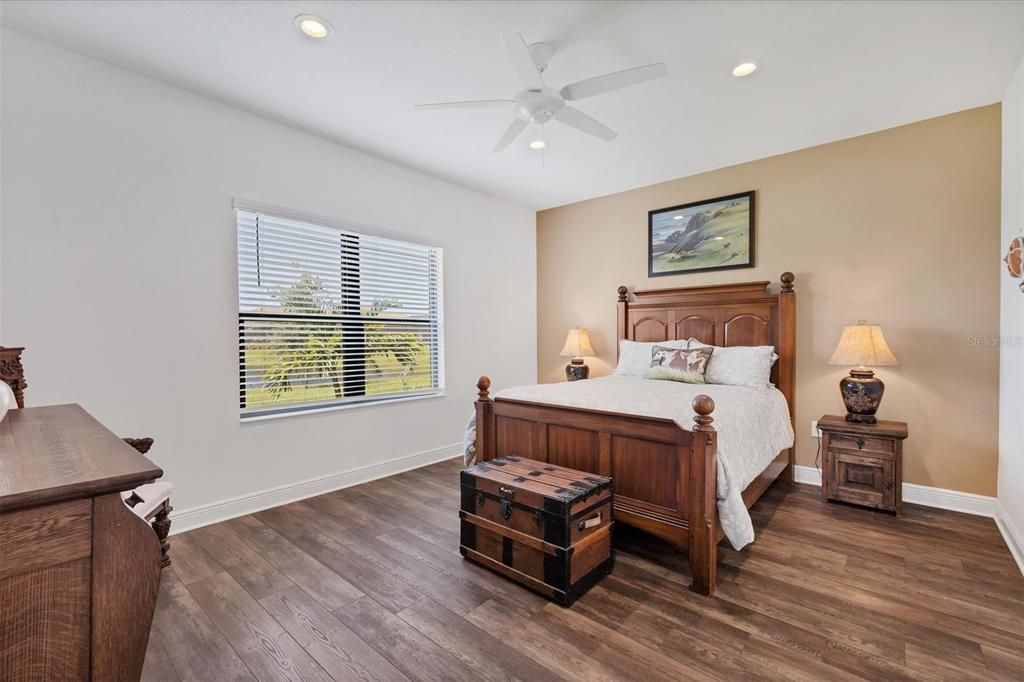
(860, 443)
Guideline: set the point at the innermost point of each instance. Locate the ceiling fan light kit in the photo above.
(538, 104)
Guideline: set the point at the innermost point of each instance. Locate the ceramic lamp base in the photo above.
(862, 394)
(576, 370)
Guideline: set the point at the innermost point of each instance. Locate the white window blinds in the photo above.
(330, 316)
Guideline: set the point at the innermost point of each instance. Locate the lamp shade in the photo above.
(863, 344)
(577, 344)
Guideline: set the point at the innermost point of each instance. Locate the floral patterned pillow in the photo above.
(678, 364)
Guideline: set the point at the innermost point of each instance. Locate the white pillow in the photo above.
(739, 365)
(635, 356)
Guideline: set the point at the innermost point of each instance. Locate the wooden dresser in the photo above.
(79, 572)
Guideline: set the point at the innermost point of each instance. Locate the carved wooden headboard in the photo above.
(743, 314)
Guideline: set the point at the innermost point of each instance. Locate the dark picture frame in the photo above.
(712, 241)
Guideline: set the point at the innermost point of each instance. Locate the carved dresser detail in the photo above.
(13, 373)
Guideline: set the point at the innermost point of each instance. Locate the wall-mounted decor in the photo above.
(1014, 258)
(714, 234)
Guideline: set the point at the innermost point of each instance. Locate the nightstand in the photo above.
(862, 463)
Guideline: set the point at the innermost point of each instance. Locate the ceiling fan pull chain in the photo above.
(544, 150)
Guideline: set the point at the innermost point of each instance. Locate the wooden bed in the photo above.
(665, 476)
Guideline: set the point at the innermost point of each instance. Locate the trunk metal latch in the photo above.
(506, 502)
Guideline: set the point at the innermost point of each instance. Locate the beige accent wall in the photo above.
(900, 228)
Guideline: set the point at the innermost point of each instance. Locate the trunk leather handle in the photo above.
(590, 523)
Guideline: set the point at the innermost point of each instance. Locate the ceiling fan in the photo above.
(537, 103)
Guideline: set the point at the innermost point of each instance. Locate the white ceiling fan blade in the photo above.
(522, 62)
(468, 104)
(580, 121)
(518, 126)
(612, 81)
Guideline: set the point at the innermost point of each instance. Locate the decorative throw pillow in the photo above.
(677, 364)
(739, 365)
(635, 356)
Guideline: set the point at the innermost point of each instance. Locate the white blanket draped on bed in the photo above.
(752, 424)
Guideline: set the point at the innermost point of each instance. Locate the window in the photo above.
(330, 317)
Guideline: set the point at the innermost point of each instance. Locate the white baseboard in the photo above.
(941, 498)
(214, 512)
(1011, 534)
(809, 475)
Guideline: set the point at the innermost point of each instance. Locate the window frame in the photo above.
(434, 324)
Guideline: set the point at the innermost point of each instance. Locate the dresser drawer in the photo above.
(862, 479)
(852, 441)
(45, 536)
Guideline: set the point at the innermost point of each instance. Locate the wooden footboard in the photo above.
(665, 476)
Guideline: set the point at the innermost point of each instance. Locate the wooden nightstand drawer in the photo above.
(862, 479)
(852, 441)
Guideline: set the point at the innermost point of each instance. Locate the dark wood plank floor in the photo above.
(367, 584)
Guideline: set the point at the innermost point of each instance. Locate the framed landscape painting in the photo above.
(714, 234)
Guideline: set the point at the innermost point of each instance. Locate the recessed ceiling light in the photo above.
(538, 144)
(313, 26)
(677, 217)
(744, 69)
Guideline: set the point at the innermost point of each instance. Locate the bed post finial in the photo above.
(482, 388)
(787, 281)
(623, 290)
(703, 405)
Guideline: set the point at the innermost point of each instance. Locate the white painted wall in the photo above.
(1010, 511)
(119, 270)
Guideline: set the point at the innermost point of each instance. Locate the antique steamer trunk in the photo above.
(544, 526)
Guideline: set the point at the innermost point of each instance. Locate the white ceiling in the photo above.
(830, 71)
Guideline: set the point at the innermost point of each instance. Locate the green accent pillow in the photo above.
(679, 364)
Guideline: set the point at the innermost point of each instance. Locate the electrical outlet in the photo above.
(815, 433)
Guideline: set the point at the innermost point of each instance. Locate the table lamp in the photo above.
(577, 344)
(861, 345)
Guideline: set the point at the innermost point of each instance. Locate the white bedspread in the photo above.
(752, 424)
